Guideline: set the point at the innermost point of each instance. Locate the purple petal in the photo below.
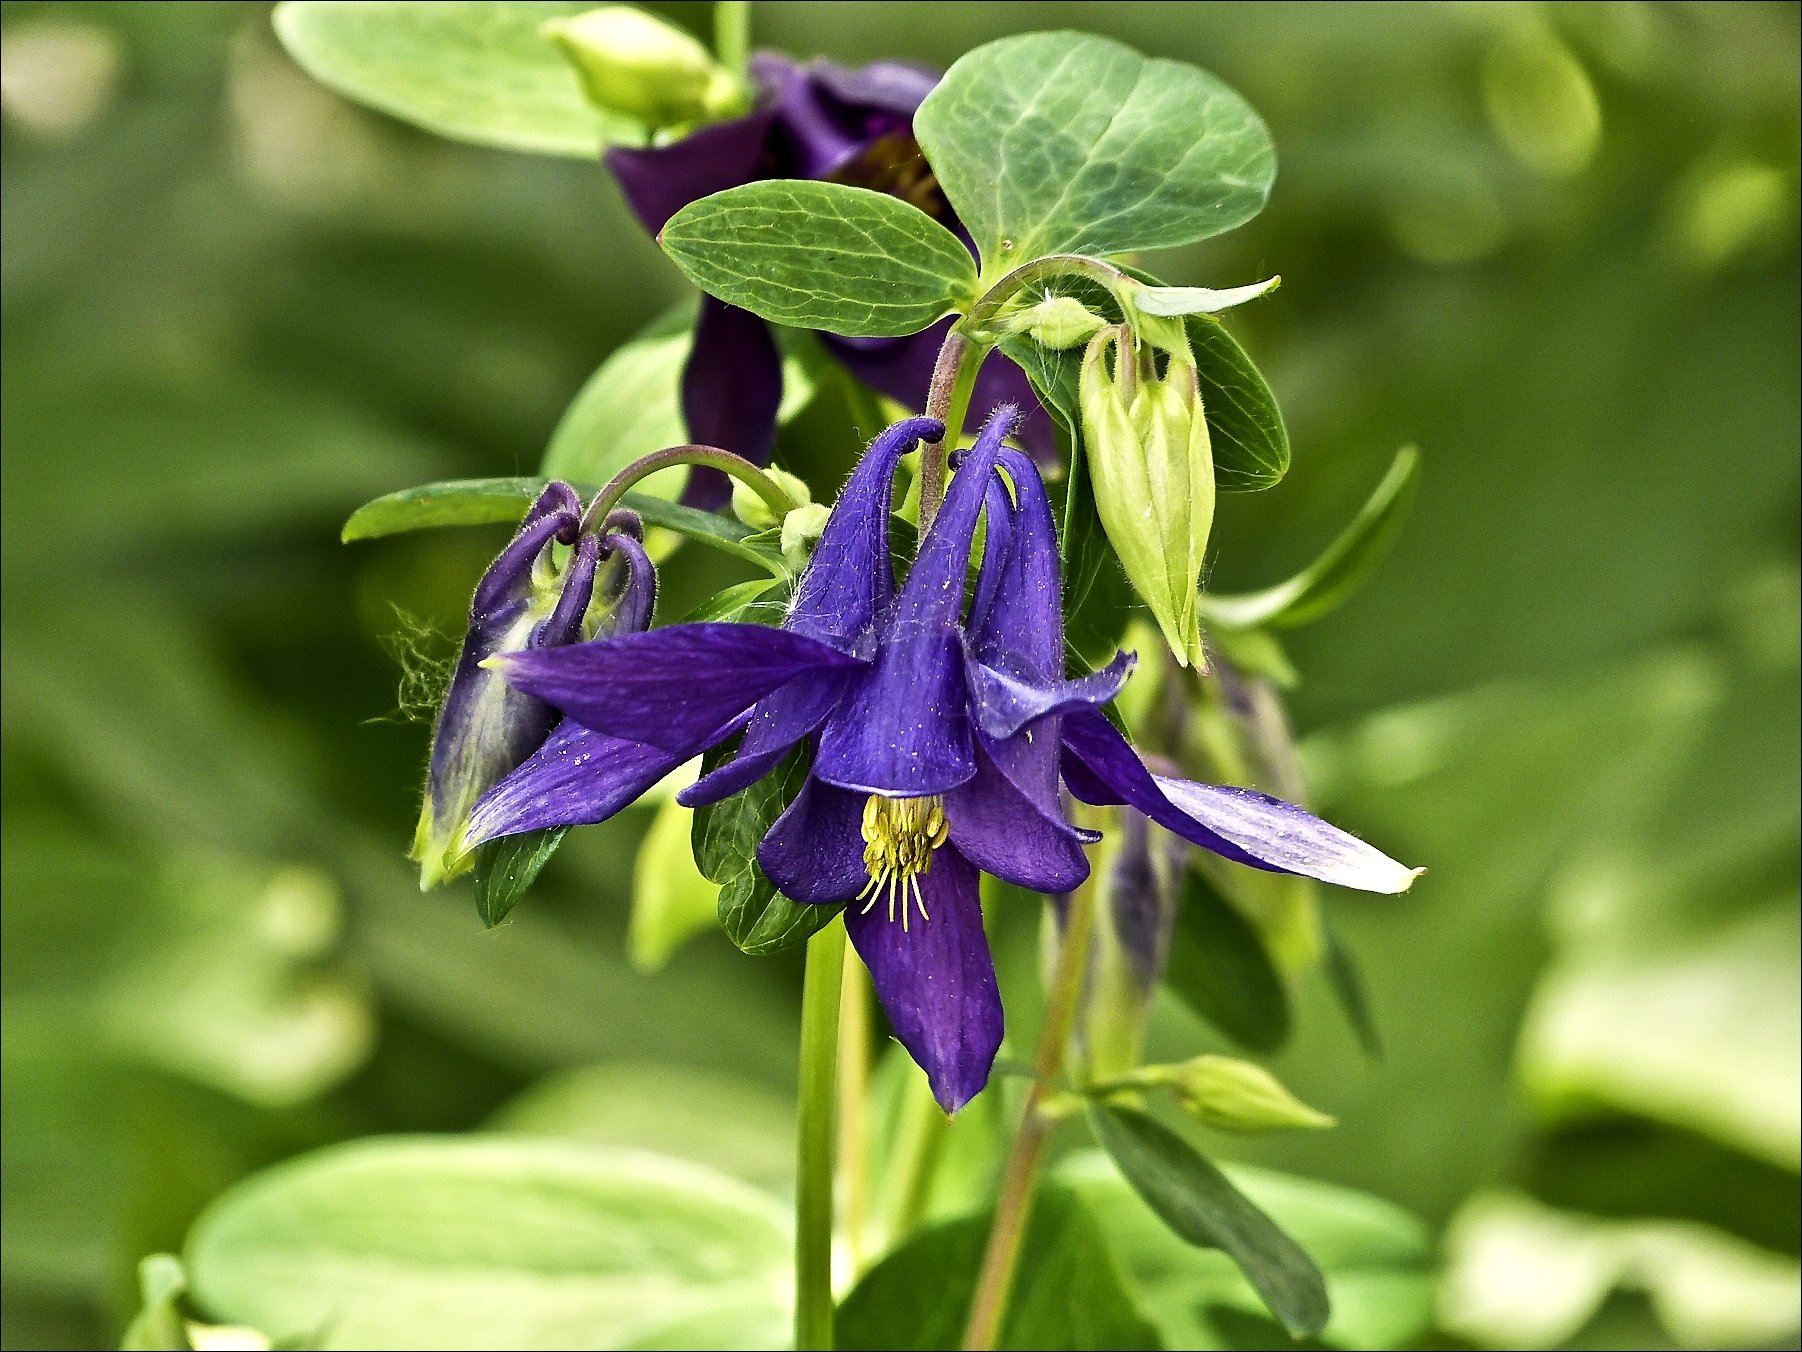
(814, 850)
(1022, 631)
(850, 579)
(901, 368)
(1238, 824)
(578, 777)
(905, 729)
(673, 688)
(777, 723)
(731, 390)
(896, 88)
(629, 609)
(658, 181)
(565, 622)
(935, 978)
(1004, 703)
(1002, 831)
(997, 545)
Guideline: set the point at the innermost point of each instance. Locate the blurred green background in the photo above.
(1554, 246)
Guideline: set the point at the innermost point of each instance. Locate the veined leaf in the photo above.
(822, 256)
(507, 867)
(1326, 582)
(1061, 142)
(480, 73)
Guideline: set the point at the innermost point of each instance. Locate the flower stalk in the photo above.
(764, 485)
(817, 1114)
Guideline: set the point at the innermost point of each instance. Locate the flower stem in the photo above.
(712, 456)
(732, 34)
(817, 1111)
(853, 1116)
(1014, 1205)
(947, 399)
(1107, 275)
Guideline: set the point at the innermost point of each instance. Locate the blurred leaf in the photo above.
(1198, 300)
(159, 1326)
(1199, 1204)
(1068, 1290)
(480, 73)
(1219, 967)
(1319, 588)
(410, 1241)
(738, 1126)
(672, 900)
(755, 916)
(1347, 981)
(632, 406)
(826, 256)
(1378, 1260)
(506, 868)
(1065, 143)
(487, 502)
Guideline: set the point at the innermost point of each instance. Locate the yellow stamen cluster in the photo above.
(900, 835)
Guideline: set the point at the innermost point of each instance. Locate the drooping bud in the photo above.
(528, 598)
(633, 63)
(751, 509)
(1233, 1095)
(1057, 322)
(1151, 465)
(801, 531)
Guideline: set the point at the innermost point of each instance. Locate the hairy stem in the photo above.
(712, 456)
(817, 1127)
(1014, 1205)
(947, 399)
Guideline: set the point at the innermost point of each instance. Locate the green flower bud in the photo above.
(751, 509)
(801, 530)
(1232, 1095)
(1152, 469)
(1057, 322)
(633, 63)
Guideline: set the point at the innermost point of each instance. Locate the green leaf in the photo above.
(1347, 983)
(1250, 441)
(480, 73)
(507, 867)
(442, 1242)
(159, 1325)
(1194, 300)
(1340, 569)
(1219, 967)
(1061, 142)
(672, 900)
(1378, 1260)
(822, 256)
(1068, 1291)
(489, 502)
(632, 405)
(755, 916)
(740, 1126)
(1200, 1205)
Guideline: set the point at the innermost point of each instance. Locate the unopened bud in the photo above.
(1151, 466)
(1057, 322)
(1233, 1095)
(633, 63)
(801, 531)
(749, 507)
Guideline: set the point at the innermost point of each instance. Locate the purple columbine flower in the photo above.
(816, 121)
(526, 600)
(937, 743)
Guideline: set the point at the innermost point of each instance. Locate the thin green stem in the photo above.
(853, 1116)
(817, 1111)
(732, 35)
(1051, 265)
(919, 1141)
(711, 456)
(1014, 1205)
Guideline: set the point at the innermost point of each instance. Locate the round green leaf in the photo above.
(481, 73)
(1061, 142)
(439, 1242)
(822, 256)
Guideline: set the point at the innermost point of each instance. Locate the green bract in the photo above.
(473, 72)
(1064, 143)
(822, 256)
(640, 67)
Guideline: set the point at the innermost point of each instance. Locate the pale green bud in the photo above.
(1151, 465)
(1057, 322)
(1232, 1095)
(801, 530)
(633, 63)
(751, 509)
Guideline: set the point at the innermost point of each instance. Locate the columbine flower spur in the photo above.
(938, 743)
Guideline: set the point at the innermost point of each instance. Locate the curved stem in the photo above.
(712, 456)
(1014, 1205)
(1051, 265)
(817, 1110)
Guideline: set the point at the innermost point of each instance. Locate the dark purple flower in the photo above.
(526, 600)
(938, 743)
(817, 121)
